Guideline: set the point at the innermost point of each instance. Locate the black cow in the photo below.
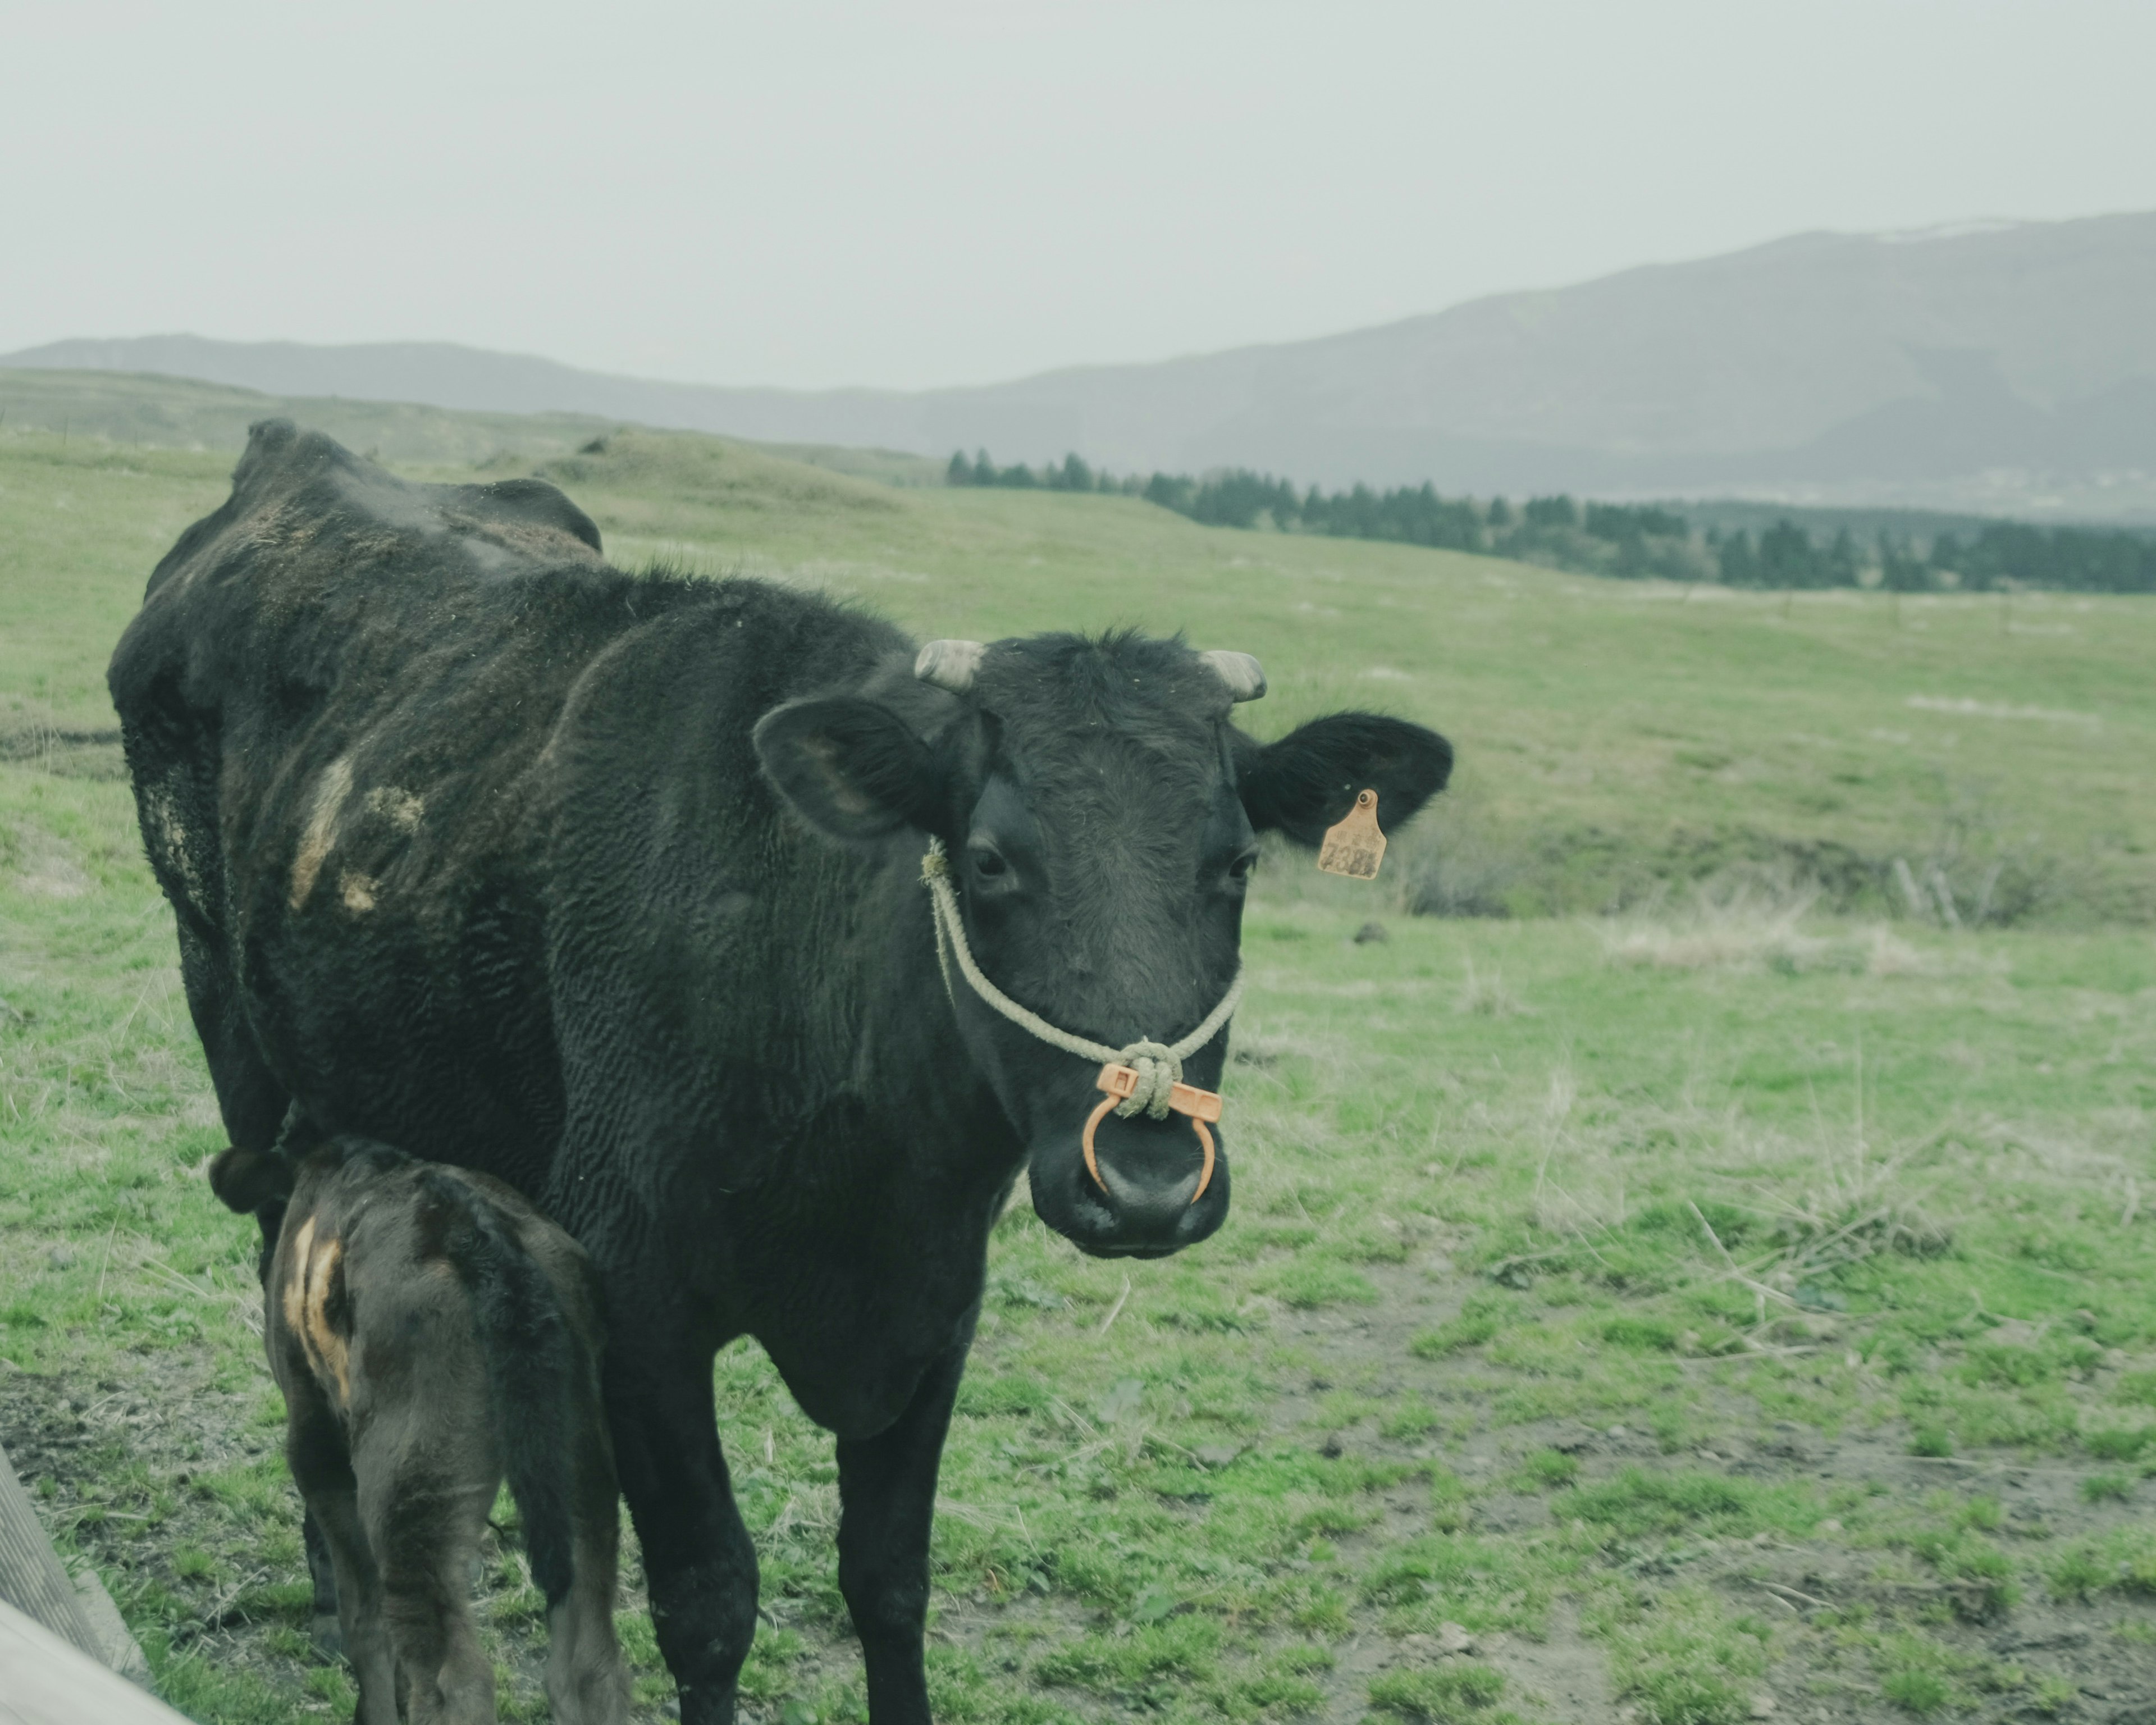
(612, 886)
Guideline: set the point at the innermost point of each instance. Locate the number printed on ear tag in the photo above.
(1355, 847)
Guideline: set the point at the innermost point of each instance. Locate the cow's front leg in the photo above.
(699, 1563)
(887, 1509)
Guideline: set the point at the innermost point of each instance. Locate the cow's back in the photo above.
(318, 554)
(335, 700)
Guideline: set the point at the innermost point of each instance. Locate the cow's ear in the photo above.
(1308, 780)
(245, 1180)
(851, 766)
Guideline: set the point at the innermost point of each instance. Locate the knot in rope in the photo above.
(1159, 1072)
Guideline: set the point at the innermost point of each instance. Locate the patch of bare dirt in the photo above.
(2104, 1646)
(67, 753)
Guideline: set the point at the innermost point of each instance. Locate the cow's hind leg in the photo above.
(699, 1561)
(887, 1508)
(173, 757)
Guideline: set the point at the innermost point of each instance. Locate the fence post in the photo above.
(47, 1680)
(32, 1577)
(35, 1581)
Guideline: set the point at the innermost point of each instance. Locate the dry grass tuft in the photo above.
(1487, 996)
(1750, 929)
(1741, 930)
(1830, 1228)
(47, 867)
(1885, 953)
(1856, 1205)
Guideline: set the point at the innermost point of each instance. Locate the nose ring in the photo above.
(1120, 1081)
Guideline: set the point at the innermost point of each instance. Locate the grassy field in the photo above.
(1618, 739)
(1714, 1305)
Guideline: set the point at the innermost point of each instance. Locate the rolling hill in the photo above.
(2008, 366)
(1620, 741)
(161, 411)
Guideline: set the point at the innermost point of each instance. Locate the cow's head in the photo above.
(1100, 812)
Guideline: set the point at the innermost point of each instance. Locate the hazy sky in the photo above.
(818, 192)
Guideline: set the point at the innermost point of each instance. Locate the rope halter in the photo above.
(1141, 1074)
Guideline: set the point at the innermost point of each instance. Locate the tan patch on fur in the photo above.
(528, 537)
(331, 790)
(295, 1283)
(326, 1343)
(359, 893)
(286, 525)
(168, 835)
(398, 807)
(306, 1299)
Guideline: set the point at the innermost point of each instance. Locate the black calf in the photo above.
(431, 1331)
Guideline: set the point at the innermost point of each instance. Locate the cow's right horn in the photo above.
(949, 665)
(1244, 675)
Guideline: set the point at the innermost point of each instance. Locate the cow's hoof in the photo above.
(327, 1634)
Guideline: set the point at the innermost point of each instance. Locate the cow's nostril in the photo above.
(1148, 1204)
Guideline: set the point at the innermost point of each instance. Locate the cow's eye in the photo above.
(988, 864)
(1239, 869)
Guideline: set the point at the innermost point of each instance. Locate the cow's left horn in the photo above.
(1244, 675)
(949, 665)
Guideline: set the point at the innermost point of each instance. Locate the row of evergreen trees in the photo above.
(1998, 557)
(1627, 540)
(1236, 497)
(1069, 474)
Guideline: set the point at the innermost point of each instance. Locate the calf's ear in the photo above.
(850, 767)
(1308, 780)
(245, 1180)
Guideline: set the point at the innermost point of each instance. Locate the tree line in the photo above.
(1625, 540)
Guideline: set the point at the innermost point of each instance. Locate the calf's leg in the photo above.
(699, 1561)
(423, 1522)
(322, 1468)
(326, 1631)
(887, 1508)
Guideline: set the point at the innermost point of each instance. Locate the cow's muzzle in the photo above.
(1131, 1188)
(1130, 1183)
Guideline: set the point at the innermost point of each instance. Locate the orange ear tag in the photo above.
(1355, 847)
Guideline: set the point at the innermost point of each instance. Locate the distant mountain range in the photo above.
(2014, 359)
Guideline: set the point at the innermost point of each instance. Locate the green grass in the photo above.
(1684, 1659)
(1587, 1280)
(1443, 1694)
